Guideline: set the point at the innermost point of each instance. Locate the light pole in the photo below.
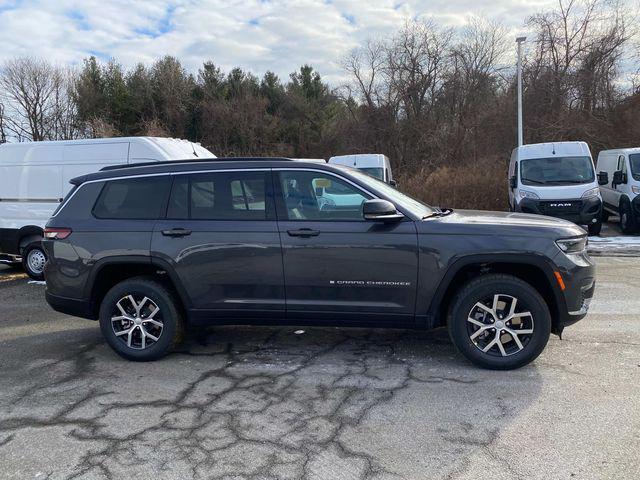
(520, 41)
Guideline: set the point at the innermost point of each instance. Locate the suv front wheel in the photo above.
(499, 322)
(140, 319)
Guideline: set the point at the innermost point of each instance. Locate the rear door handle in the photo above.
(303, 232)
(176, 232)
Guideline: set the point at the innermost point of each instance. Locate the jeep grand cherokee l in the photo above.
(148, 249)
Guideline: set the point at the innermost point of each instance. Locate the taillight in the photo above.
(56, 233)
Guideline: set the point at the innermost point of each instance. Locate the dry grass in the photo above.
(480, 186)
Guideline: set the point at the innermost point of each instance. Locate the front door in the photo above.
(337, 265)
(220, 236)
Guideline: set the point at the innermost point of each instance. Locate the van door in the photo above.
(221, 240)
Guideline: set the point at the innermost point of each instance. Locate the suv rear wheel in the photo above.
(499, 322)
(140, 319)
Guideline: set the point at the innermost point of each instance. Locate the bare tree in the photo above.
(3, 133)
(37, 100)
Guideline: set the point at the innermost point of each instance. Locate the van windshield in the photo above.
(556, 171)
(376, 172)
(634, 160)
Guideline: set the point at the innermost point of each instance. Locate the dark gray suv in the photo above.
(149, 249)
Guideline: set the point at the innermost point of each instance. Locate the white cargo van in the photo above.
(556, 179)
(375, 164)
(619, 173)
(34, 178)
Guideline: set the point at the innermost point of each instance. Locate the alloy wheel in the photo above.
(500, 325)
(137, 322)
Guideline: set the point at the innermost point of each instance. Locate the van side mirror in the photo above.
(393, 183)
(381, 211)
(603, 178)
(513, 182)
(619, 178)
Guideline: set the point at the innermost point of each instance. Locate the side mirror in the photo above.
(393, 183)
(381, 211)
(513, 182)
(603, 178)
(618, 178)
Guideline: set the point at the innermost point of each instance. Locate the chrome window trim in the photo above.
(144, 175)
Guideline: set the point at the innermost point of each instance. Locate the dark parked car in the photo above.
(148, 249)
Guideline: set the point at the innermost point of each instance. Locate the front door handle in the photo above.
(303, 232)
(176, 232)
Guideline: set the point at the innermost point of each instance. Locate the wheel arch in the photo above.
(533, 269)
(108, 272)
(29, 234)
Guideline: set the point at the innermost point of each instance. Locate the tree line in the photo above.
(438, 101)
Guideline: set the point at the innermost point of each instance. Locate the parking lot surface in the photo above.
(318, 403)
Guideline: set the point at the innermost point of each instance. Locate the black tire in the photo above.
(604, 216)
(169, 316)
(595, 228)
(464, 306)
(627, 221)
(33, 260)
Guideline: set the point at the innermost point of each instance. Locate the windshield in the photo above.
(401, 200)
(376, 172)
(634, 160)
(556, 171)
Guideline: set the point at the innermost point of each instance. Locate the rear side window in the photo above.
(219, 196)
(133, 198)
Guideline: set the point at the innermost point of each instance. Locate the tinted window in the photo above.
(634, 160)
(318, 196)
(219, 196)
(132, 198)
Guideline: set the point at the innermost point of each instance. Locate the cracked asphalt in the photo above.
(267, 403)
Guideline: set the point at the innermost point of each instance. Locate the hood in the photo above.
(501, 223)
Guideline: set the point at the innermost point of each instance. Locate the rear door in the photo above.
(337, 265)
(220, 237)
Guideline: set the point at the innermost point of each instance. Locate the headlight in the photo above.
(635, 189)
(528, 194)
(592, 192)
(572, 245)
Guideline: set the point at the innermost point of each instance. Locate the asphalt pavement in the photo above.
(318, 403)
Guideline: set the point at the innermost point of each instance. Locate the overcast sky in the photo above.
(278, 35)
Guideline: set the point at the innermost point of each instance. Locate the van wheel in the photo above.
(499, 322)
(604, 216)
(33, 260)
(595, 228)
(140, 319)
(627, 223)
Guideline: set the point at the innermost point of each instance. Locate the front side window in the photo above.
(219, 196)
(634, 161)
(318, 196)
(556, 171)
(133, 198)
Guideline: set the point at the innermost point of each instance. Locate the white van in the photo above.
(375, 164)
(34, 178)
(619, 174)
(556, 179)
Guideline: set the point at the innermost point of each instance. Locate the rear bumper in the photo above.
(579, 211)
(70, 306)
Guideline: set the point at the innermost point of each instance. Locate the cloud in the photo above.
(277, 35)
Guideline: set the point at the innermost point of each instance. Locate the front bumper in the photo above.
(579, 211)
(580, 283)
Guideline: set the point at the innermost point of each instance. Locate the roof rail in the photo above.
(195, 160)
